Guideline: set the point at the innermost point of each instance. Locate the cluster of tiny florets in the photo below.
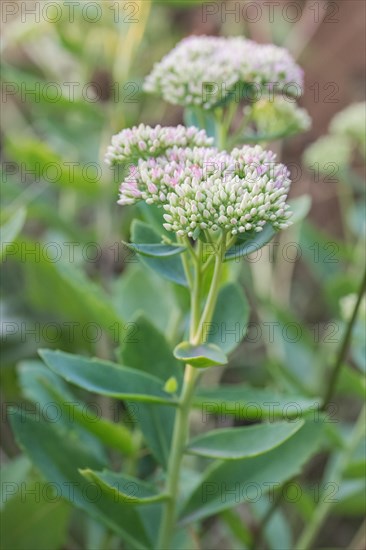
(143, 142)
(278, 116)
(235, 192)
(203, 70)
(204, 188)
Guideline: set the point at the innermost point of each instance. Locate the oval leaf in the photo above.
(124, 488)
(248, 403)
(156, 250)
(236, 443)
(200, 356)
(155, 421)
(107, 378)
(59, 455)
(252, 244)
(224, 484)
(170, 267)
(41, 385)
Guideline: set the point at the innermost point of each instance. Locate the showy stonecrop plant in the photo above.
(217, 206)
(207, 198)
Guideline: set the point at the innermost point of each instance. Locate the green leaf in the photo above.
(61, 288)
(322, 253)
(277, 530)
(237, 443)
(38, 156)
(156, 422)
(13, 473)
(170, 268)
(58, 454)
(201, 355)
(230, 318)
(226, 484)
(151, 344)
(42, 386)
(241, 532)
(356, 467)
(114, 435)
(156, 250)
(141, 289)
(90, 296)
(123, 488)
(351, 381)
(33, 521)
(349, 497)
(247, 403)
(251, 243)
(106, 378)
(11, 228)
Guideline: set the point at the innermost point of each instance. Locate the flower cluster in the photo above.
(203, 70)
(146, 142)
(236, 192)
(277, 116)
(202, 187)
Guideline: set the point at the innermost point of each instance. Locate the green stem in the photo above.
(344, 346)
(185, 262)
(196, 296)
(180, 435)
(221, 129)
(181, 425)
(211, 300)
(310, 532)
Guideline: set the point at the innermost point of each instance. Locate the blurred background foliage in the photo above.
(69, 283)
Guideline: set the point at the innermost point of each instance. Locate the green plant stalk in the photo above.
(177, 449)
(181, 425)
(211, 301)
(344, 346)
(305, 542)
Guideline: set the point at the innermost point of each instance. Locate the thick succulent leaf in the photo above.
(141, 289)
(124, 488)
(170, 268)
(46, 389)
(156, 250)
(249, 441)
(29, 521)
(150, 344)
(58, 455)
(244, 246)
(156, 422)
(106, 378)
(227, 483)
(201, 355)
(245, 402)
